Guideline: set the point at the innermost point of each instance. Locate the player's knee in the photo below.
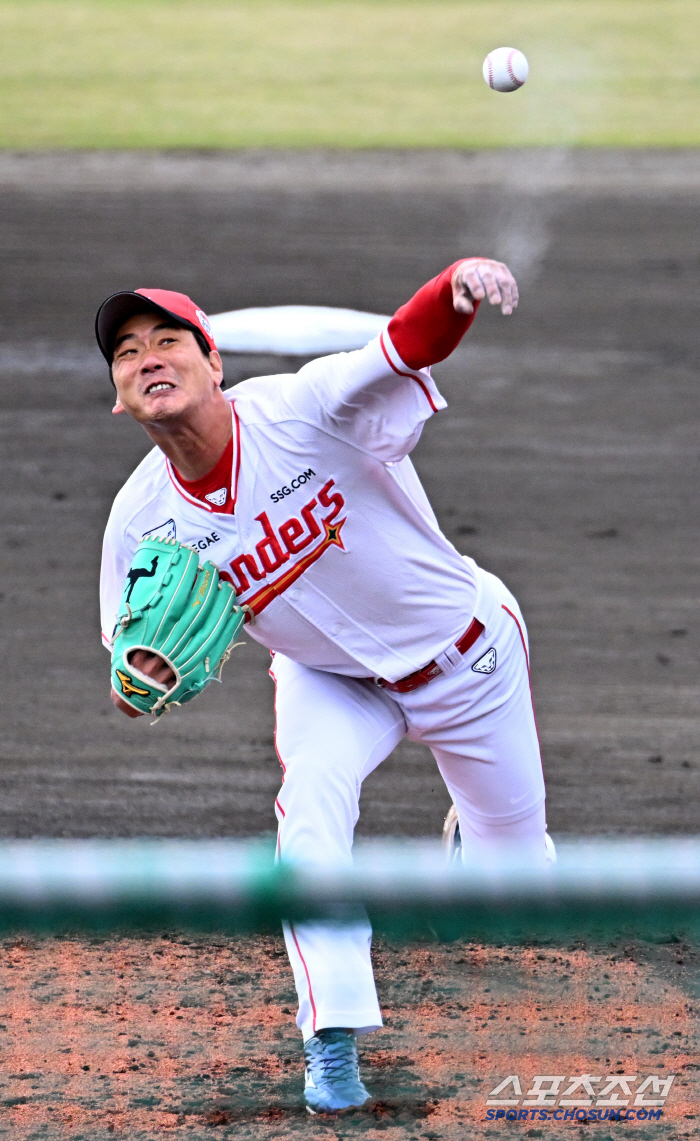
(313, 792)
(526, 835)
(323, 775)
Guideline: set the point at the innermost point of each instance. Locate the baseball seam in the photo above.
(513, 76)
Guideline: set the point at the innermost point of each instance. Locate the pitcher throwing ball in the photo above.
(301, 491)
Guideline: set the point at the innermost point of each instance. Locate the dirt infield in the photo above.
(142, 1038)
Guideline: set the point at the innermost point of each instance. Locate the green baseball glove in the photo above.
(174, 607)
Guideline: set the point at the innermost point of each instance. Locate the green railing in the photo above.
(649, 888)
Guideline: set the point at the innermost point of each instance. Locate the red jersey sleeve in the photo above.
(428, 328)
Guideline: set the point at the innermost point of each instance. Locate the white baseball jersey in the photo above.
(334, 546)
(332, 541)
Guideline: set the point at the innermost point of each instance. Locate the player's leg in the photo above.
(481, 728)
(331, 733)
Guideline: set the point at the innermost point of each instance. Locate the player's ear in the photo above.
(217, 368)
(118, 407)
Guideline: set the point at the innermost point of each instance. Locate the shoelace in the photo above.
(337, 1061)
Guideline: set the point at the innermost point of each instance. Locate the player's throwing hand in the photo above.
(479, 278)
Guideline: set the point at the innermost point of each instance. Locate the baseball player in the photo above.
(300, 489)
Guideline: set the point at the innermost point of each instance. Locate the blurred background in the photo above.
(341, 153)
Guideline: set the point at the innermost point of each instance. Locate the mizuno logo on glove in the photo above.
(128, 686)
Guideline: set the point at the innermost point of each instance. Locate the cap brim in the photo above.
(119, 308)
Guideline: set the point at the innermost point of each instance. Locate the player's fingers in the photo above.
(152, 665)
(478, 279)
(507, 302)
(462, 300)
(122, 705)
(508, 288)
(500, 286)
(472, 280)
(488, 282)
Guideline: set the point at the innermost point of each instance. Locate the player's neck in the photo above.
(195, 445)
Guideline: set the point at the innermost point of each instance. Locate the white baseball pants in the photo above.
(332, 731)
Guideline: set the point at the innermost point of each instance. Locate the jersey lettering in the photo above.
(291, 533)
(243, 566)
(279, 556)
(296, 536)
(207, 541)
(326, 500)
(294, 485)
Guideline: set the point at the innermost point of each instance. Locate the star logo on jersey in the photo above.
(128, 686)
(294, 537)
(218, 498)
(333, 533)
(486, 663)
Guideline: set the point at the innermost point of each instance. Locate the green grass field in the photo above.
(348, 73)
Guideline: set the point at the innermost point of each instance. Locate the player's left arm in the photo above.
(430, 326)
(117, 552)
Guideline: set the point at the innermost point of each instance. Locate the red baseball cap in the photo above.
(121, 306)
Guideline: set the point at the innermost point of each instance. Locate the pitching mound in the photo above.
(145, 1037)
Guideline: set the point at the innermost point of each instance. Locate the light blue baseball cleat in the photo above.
(332, 1072)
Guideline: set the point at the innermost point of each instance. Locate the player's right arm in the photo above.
(430, 326)
(379, 397)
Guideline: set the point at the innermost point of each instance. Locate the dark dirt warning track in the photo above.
(568, 461)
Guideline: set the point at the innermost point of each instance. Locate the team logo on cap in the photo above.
(204, 321)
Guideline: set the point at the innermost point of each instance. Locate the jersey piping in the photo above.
(332, 538)
(235, 469)
(412, 375)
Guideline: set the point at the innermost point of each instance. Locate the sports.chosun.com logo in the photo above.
(583, 1097)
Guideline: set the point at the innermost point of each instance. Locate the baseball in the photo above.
(505, 69)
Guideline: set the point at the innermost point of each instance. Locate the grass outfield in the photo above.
(221, 73)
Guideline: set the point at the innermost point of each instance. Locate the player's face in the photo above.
(160, 372)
